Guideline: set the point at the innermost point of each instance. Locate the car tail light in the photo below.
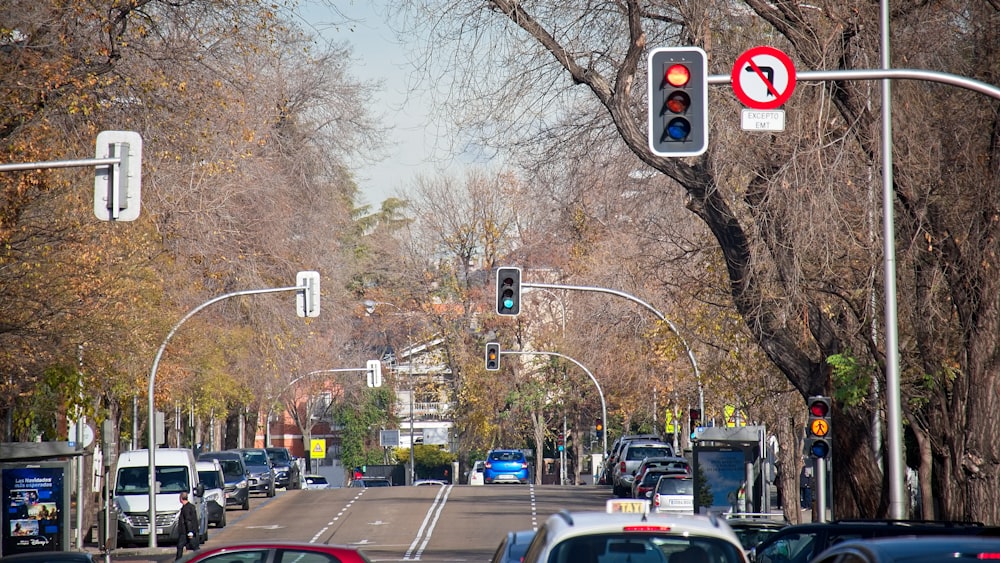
(646, 528)
(524, 465)
(488, 465)
(656, 500)
(993, 556)
(621, 468)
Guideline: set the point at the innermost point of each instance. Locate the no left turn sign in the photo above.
(763, 78)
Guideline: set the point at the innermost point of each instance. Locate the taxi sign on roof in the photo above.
(627, 506)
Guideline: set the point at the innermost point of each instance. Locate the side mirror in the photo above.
(199, 491)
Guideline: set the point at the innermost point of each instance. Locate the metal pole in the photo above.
(413, 469)
(604, 406)
(152, 386)
(894, 418)
(654, 310)
(819, 475)
(80, 421)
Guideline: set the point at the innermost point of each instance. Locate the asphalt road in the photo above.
(450, 524)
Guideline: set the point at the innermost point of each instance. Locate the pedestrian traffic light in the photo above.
(508, 291)
(678, 101)
(818, 437)
(492, 356)
(695, 416)
(561, 442)
(599, 428)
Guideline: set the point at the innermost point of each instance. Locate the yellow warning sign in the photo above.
(317, 448)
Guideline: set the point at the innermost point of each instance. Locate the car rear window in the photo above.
(673, 486)
(506, 456)
(642, 452)
(644, 548)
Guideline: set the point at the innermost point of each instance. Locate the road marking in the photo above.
(433, 513)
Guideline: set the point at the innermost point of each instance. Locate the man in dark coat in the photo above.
(187, 527)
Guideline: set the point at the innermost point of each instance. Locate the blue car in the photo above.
(506, 466)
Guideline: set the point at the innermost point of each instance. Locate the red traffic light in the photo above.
(677, 75)
(819, 408)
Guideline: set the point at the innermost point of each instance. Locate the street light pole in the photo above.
(370, 308)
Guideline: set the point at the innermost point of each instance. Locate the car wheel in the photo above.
(270, 491)
(246, 503)
(222, 521)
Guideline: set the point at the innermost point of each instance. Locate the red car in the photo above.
(269, 552)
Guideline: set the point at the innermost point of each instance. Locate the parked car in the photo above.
(631, 455)
(607, 477)
(367, 482)
(210, 475)
(429, 483)
(674, 494)
(261, 471)
(236, 475)
(513, 547)
(912, 549)
(286, 468)
(644, 486)
(476, 473)
(801, 543)
(277, 551)
(506, 466)
(314, 482)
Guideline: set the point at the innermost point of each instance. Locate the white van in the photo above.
(176, 472)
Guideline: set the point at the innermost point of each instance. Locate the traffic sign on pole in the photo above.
(763, 78)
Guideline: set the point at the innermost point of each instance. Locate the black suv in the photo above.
(802, 542)
(286, 468)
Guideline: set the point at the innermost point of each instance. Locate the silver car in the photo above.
(631, 456)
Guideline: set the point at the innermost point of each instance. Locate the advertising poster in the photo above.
(36, 516)
(720, 474)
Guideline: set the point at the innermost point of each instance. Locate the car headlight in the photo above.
(214, 496)
(242, 484)
(119, 513)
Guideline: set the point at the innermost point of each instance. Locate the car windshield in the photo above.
(211, 479)
(644, 548)
(506, 456)
(675, 487)
(231, 467)
(279, 456)
(316, 480)
(376, 483)
(255, 458)
(135, 480)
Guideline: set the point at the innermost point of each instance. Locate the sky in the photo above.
(379, 56)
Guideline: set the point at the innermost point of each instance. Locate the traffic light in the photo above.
(307, 296)
(508, 291)
(818, 438)
(374, 369)
(678, 101)
(492, 356)
(599, 428)
(695, 416)
(561, 442)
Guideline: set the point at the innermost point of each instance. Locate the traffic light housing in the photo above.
(561, 442)
(678, 101)
(374, 373)
(819, 443)
(508, 291)
(599, 428)
(695, 416)
(492, 356)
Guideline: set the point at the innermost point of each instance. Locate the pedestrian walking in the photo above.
(188, 532)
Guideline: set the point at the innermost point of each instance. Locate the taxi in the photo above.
(626, 532)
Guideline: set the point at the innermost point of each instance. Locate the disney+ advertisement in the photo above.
(35, 519)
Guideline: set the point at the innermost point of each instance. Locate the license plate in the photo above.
(143, 531)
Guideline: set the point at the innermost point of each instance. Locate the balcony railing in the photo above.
(424, 411)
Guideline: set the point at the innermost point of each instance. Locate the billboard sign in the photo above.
(37, 501)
